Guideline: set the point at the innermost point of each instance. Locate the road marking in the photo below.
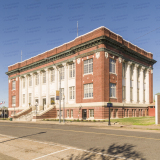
(83, 132)
(67, 148)
(51, 154)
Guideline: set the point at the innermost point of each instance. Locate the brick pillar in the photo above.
(87, 113)
(120, 113)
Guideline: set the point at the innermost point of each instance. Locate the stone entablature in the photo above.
(98, 36)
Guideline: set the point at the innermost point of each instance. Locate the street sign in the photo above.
(57, 95)
(109, 105)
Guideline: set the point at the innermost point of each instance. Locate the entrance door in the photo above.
(84, 113)
(44, 102)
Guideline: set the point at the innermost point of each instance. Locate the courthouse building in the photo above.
(96, 68)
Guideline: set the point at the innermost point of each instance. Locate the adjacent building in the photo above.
(96, 68)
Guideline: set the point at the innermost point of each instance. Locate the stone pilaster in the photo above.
(135, 83)
(141, 85)
(128, 82)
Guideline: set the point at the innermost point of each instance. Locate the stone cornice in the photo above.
(94, 42)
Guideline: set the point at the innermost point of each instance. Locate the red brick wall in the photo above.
(151, 111)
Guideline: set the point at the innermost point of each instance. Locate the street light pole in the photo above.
(63, 108)
(36, 108)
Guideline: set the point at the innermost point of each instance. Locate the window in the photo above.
(62, 93)
(131, 94)
(72, 113)
(91, 113)
(71, 92)
(13, 85)
(112, 63)
(67, 113)
(72, 70)
(37, 79)
(13, 100)
(52, 75)
(137, 94)
(30, 80)
(88, 90)
(123, 71)
(36, 100)
(44, 77)
(88, 66)
(62, 73)
(124, 93)
(112, 90)
(23, 98)
(23, 82)
(52, 100)
(30, 98)
(131, 72)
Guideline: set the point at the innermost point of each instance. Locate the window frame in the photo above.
(72, 93)
(30, 81)
(52, 75)
(14, 100)
(88, 66)
(23, 98)
(88, 90)
(112, 65)
(44, 77)
(37, 79)
(14, 85)
(24, 83)
(111, 90)
(72, 70)
(91, 113)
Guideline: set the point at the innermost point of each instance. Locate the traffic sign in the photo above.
(109, 105)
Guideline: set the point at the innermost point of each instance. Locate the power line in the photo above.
(146, 33)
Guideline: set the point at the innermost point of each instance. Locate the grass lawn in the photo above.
(135, 121)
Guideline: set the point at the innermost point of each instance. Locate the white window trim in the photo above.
(115, 91)
(88, 66)
(114, 64)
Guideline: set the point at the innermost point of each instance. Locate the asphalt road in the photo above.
(129, 144)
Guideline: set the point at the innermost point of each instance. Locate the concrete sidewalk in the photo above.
(102, 125)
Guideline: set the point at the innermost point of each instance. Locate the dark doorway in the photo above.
(84, 113)
(44, 102)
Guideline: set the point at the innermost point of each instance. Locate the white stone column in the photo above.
(128, 82)
(33, 89)
(66, 82)
(147, 87)
(47, 87)
(135, 83)
(20, 91)
(26, 91)
(141, 86)
(56, 82)
(40, 88)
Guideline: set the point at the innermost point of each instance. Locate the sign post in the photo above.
(109, 105)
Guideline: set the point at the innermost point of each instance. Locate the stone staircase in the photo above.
(29, 114)
(27, 117)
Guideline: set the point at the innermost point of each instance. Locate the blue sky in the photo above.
(35, 26)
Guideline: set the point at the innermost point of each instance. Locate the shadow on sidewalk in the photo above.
(114, 152)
